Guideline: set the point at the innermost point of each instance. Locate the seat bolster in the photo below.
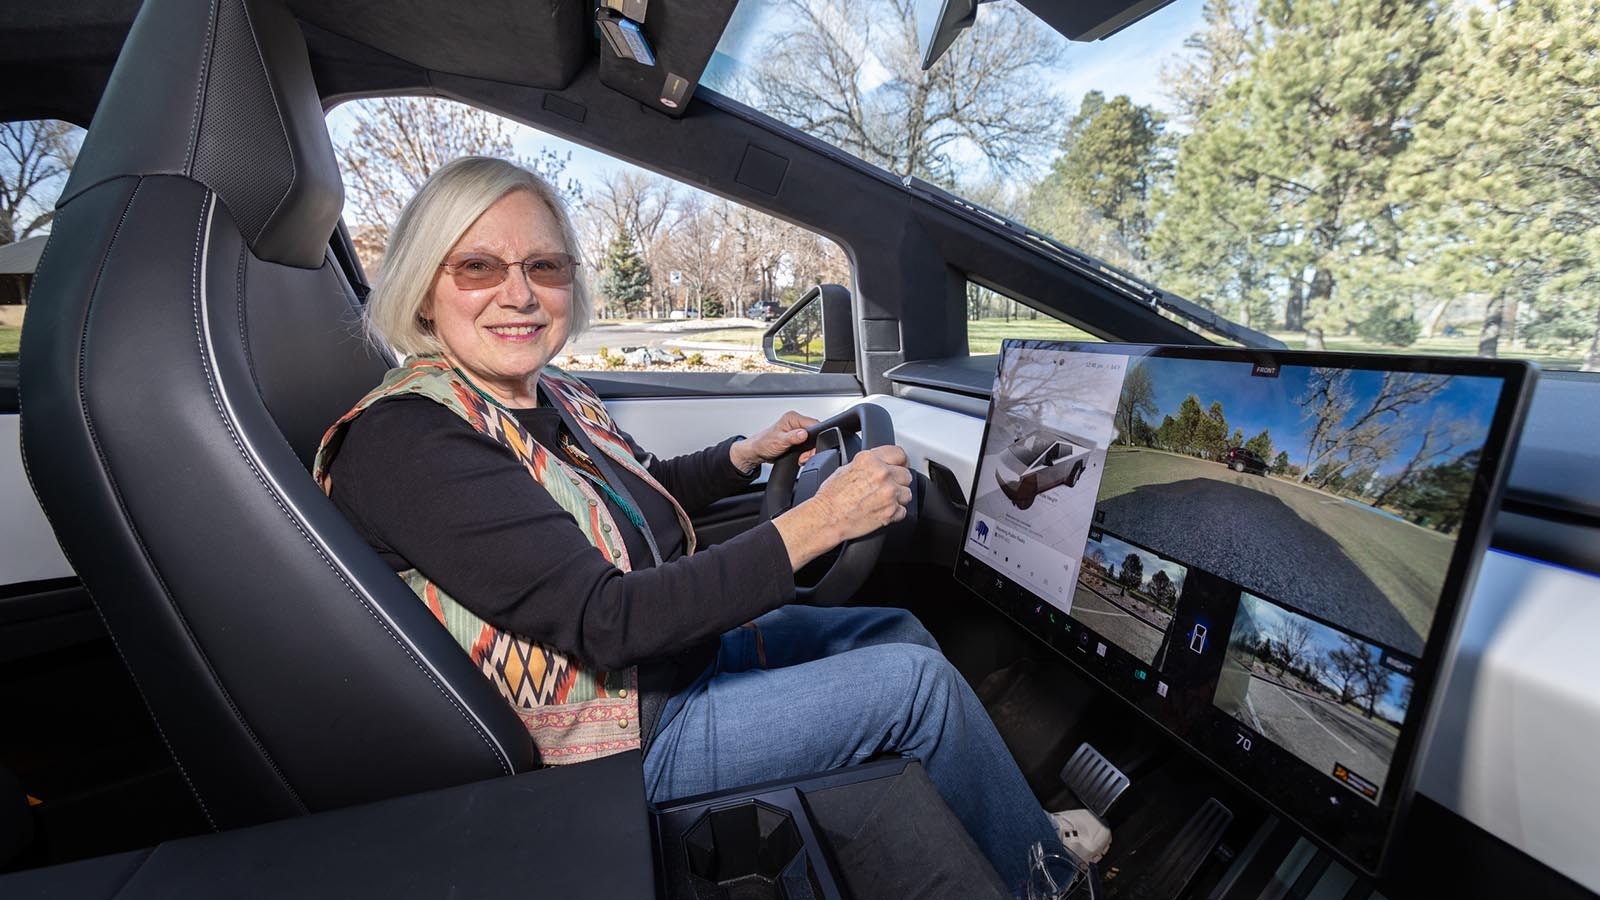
(234, 589)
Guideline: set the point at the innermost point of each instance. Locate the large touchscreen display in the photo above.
(1262, 551)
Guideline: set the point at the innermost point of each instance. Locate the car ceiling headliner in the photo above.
(55, 57)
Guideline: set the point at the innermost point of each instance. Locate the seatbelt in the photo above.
(613, 478)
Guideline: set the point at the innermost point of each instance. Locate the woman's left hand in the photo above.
(771, 442)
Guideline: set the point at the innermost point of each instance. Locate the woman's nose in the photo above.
(517, 290)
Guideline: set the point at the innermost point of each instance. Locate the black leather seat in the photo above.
(189, 339)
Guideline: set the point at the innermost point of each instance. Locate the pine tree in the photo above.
(1098, 193)
(1504, 176)
(626, 282)
(1285, 177)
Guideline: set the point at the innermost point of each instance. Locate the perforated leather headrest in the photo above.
(242, 117)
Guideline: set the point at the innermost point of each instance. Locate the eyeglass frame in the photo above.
(504, 268)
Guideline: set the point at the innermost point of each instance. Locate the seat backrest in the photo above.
(189, 339)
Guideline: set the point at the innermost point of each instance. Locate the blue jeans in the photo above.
(840, 685)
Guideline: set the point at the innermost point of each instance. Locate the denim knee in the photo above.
(908, 629)
(928, 667)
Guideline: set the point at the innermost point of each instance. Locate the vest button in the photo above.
(604, 527)
(593, 503)
(622, 723)
(623, 693)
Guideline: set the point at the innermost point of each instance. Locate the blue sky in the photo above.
(1253, 404)
(1129, 62)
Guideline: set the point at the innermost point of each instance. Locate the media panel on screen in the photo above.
(1265, 552)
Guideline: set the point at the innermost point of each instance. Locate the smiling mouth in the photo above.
(515, 330)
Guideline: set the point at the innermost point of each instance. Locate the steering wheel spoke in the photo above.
(836, 441)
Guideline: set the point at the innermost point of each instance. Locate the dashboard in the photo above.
(1510, 749)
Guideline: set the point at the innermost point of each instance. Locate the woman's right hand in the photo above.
(868, 493)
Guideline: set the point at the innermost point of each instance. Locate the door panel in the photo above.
(669, 424)
(675, 413)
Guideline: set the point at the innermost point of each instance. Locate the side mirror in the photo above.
(816, 334)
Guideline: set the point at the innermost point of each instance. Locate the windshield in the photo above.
(1364, 175)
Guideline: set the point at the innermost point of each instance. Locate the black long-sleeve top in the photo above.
(430, 492)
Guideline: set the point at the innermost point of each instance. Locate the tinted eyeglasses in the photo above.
(476, 271)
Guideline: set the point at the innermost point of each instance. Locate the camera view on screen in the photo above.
(1128, 594)
(1337, 492)
(1331, 699)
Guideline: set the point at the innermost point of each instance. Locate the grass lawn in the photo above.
(985, 335)
(1461, 345)
(10, 339)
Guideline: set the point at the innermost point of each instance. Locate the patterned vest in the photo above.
(573, 713)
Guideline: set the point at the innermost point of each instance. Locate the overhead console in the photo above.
(1265, 553)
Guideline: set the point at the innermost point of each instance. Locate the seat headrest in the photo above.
(221, 91)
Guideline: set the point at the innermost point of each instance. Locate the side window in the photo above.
(992, 317)
(35, 159)
(681, 279)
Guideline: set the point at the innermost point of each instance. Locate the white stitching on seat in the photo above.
(94, 441)
(224, 413)
(208, 208)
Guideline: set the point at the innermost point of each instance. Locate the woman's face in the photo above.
(500, 336)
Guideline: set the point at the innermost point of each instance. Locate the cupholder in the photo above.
(749, 851)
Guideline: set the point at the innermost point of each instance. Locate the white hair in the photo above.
(441, 212)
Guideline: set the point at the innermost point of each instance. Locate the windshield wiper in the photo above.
(1123, 283)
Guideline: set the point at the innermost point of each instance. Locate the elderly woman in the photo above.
(561, 556)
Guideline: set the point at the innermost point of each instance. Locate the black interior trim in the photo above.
(970, 375)
(727, 518)
(475, 840)
(1555, 465)
(37, 617)
(31, 588)
(1540, 534)
(1441, 854)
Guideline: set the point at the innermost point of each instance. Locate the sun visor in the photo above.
(535, 44)
(658, 59)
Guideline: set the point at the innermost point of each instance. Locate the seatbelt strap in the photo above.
(602, 462)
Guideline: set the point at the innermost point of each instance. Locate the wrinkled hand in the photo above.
(771, 442)
(871, 491)
(868, 493)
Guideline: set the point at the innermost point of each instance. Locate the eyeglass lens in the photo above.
(474, 271)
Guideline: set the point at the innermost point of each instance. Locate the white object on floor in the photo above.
(1082, 833)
